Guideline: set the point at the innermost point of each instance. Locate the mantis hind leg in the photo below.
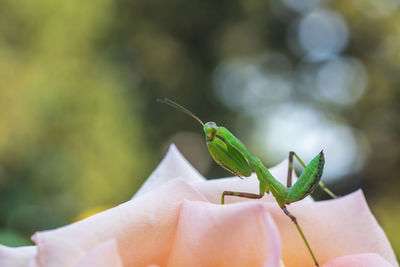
(294, 220)
(285, 210)
(290, 171)
(240, 194)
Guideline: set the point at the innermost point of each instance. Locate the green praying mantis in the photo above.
(231, 154)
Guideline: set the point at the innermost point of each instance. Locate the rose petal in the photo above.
(172, 166)
(16, 257)
(333, 228)
(146, 233)
(359, 260)
(143, 228)
(230, 235)
(213, 189)
(103, 255)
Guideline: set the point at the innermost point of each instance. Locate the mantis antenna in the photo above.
(177, 106)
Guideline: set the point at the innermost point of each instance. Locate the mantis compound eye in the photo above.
(211, 124)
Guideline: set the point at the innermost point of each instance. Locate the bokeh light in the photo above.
(253, 84)
(307, 131)
(321, 34)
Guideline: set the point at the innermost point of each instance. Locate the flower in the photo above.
(175, 220)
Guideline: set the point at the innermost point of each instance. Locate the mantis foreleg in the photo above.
(290, 170)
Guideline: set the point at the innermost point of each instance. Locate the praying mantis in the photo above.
(231, 154)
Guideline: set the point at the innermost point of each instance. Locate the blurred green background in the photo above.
(81, 130)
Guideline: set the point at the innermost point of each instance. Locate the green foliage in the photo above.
(71, 138)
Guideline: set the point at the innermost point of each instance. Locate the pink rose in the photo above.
(175, 220)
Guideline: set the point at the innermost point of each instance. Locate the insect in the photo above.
(231, 154)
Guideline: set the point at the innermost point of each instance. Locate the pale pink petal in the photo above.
(333, 228)
(103, 255)
(172, 166)
(143, 228)
(359, 260)
(16, 257)
(212, 189)
(274, 242)
(230, 235)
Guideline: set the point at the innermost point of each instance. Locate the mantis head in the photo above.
(210, 129)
